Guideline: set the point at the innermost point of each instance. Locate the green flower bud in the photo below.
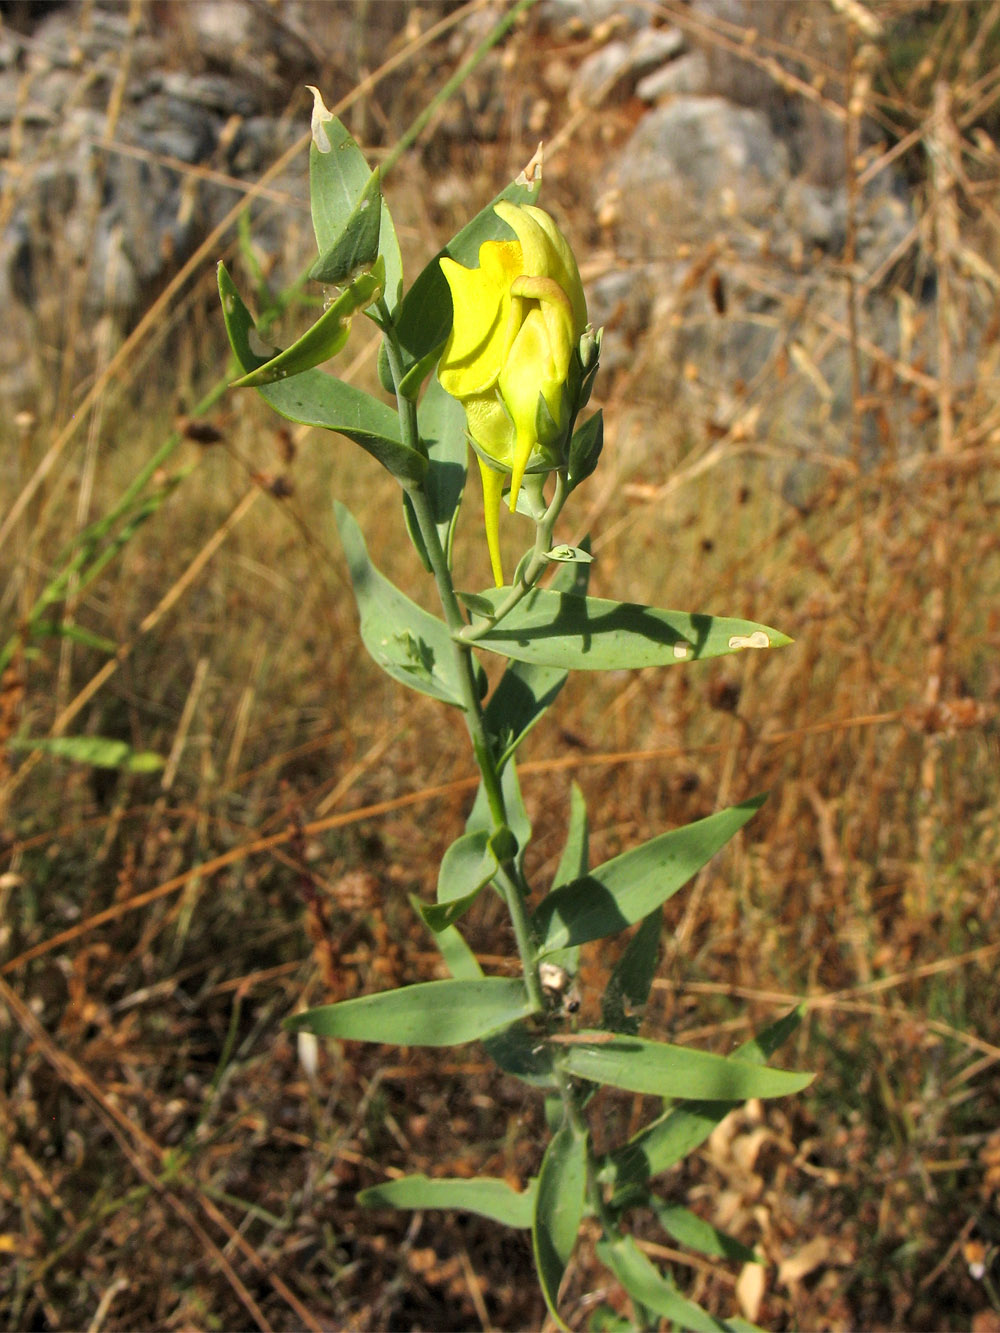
(512, 358)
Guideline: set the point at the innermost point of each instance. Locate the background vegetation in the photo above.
(170, 1157)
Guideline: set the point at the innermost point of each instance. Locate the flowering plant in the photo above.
(516, 361)
(514, 357)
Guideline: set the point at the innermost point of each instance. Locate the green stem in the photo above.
(457, 79)
(532, 570)
(509, 878)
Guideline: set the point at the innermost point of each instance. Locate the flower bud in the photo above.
(512, 358)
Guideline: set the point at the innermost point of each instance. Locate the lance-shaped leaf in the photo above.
(573, 865)
(662, 1070)
(431, 1013)
(97, 751)
(593, 634)
(481, 817)
(466, 868)
(326, 337)
(406, 641)
(423, 321)
(340, 180)
(314, 398)
(559, 1200)
(442, 434)
(680, 1130)
(624, 890)
(458, 958)
(687, 1228)
(629, 985)
(653, 1291)
(525, 692)
(357, 245)
(483, 1195)
(585, 449)
(519, 1050)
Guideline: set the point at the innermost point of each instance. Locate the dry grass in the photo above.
(169, 1161)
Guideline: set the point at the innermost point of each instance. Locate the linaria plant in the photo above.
(490, 349)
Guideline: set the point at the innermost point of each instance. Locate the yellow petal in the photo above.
(546, 253)
(480, 298)
(492, 495)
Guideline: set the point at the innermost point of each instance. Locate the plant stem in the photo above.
(509, 879)
(532, 571)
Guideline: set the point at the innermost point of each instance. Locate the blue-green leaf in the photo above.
(662, 1070)
(627, 888)
(593, 634)
(406, 641)
(629, 984)
(585, 449)
(356, 247)
(525, 691)
(481, 817)
(98, 751)
(326, 337)
(518, 1050)
(423, 321)
(339, 175)
(559, 1201)
(483, 1195)
(573, 864)
(652, 1290)
(680, 1130)
(687, 1228)
(317, 399)
(442, 431)
(431, 1013)
(458, 958)
(466, 868)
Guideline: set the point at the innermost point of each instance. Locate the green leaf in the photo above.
(630, 982)
(423, 321)
(567, 555)
(466, 868)
(680, 1130)
(575, 859)
(442, 434)
(97, 751)
(488, 1197)
(525, 692)
(59, 629)
(662, 1070)
(324, 340)
(338, 181)
(646, 1285)
(627, 888)
(559, 1200)
(406, 641)
(317, 399)
(431, 1013)
(585, 449)
(592, 634)
(459, 959)
(357, 245)
(687, 1228)
(441, 420)
(520, 1051)
(480, 816)
(573, 864)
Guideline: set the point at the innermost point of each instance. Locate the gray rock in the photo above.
(575, 16)
(616, 68)
(696, 158)
(686, 75)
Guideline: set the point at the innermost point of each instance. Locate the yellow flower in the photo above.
(509, 359)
